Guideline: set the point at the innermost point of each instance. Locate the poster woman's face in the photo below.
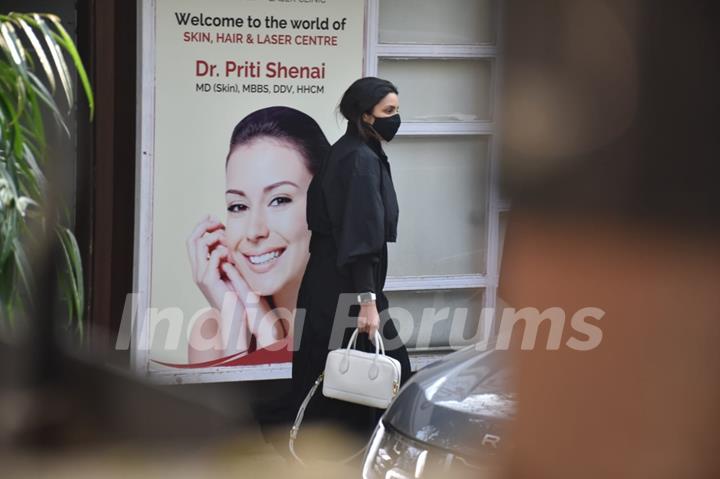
(266, 230)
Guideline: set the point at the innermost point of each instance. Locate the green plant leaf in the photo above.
(38, 127)
(9, 45)
(69, 46)
(10, 231)
(7, 288)
(73, 263)
(22, 266)
(34, 172)
(39, 51)
(47, 99)
(57, 57)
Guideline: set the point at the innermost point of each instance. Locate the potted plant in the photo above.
(33, 67)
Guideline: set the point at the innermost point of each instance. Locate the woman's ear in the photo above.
(369, 119)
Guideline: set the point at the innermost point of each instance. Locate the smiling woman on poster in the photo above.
(251, 266)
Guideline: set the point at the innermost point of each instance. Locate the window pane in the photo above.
(442, 188)
(462, 324)
(441, 90)
(447, 22)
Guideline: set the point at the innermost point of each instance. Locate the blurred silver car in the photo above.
(451, 419)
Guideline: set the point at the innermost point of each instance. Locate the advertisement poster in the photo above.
(245, 91)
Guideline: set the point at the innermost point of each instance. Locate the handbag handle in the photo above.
(379, 345)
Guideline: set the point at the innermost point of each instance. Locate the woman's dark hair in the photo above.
(360, 98)
(287, 124)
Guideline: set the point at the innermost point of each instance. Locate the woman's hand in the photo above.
(217, 277)
(207, 251)
(369, 319)
(262, 321)
(208, 254)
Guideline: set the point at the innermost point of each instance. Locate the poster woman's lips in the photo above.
(262, 262)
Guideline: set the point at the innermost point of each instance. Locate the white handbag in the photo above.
(362, 378)
(354, 376)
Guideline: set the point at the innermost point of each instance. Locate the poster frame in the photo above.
(140, 361)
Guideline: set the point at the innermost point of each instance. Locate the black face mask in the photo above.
(387, 126)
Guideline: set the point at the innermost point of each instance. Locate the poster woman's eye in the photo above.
(237, 208)
(280, 200)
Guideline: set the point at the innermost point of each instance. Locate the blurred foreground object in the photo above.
(94, 422)
(611, 159)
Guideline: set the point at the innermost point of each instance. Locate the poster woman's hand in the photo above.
(206, 251)
(262, 321)
(216, 277)
(207, 254)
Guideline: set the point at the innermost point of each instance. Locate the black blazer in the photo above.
(353, 199)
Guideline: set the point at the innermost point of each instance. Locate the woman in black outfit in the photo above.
(352, 212)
